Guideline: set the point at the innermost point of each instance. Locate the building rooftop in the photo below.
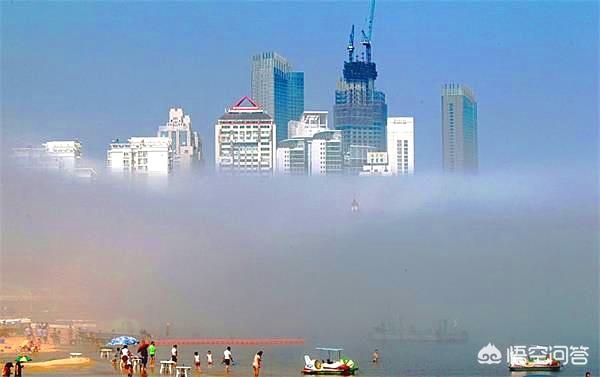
(457, 90)
(245, 116)
(245, 109)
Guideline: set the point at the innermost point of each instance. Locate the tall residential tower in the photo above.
(277, 89)
(459, 129)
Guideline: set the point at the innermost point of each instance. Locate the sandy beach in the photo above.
(12, 345)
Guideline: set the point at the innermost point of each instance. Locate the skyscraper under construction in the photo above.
(360, 111)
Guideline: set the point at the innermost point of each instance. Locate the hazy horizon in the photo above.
(244, 256)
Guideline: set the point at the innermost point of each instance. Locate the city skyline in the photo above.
(410, 76)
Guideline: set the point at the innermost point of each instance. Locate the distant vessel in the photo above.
(443, 333)
(526, 363)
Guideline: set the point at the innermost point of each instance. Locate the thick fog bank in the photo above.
(507, 256)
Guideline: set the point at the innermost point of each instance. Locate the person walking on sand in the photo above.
(209, 360)
(197, 361)
(257, 362)
(227, 358)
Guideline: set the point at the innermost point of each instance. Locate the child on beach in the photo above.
(197, 361)
(209, 361)
(129, 367)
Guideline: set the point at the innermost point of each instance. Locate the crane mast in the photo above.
(351, 46)
(366, 37)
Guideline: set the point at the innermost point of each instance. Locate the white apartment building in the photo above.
(401, 145)
(377, 164)
(54, 155)
(245, 140)
(186, 145)
(309, 124)
(320, 154)
(326, 156)
(141, 155)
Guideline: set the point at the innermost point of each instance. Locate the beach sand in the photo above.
(12, 345)
(74, 362)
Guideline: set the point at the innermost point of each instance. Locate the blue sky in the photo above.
(101, 70)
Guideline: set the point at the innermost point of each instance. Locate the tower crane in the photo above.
(366, 37)
(351, 46)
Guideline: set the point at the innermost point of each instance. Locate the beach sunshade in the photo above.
(122, 341)
(23, 358)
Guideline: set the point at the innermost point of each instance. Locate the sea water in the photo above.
(397, 359)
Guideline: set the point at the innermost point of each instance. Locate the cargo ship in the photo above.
(443, 332)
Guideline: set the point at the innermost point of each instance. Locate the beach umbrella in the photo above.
(122, 341)
(23, 358)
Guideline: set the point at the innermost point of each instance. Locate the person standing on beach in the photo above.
(174, 354)
(7, 370)
(152, 353)
(227, 358)
(209, 361)
(124, 356)
(197, 361)
(257, 362)
(143, 351)
(18, 368)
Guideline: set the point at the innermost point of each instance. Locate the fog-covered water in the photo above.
(511, 257)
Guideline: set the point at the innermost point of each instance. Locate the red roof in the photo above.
(253, 105)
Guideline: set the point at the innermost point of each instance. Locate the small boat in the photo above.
(340, 367)
(524, 364)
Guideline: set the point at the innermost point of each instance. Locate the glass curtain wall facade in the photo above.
(459, 129)
(360, 113)
(278, 89)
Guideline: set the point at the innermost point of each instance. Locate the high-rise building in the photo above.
(309, 124)
(312, 148)
(277, 89)
(360, 111)
(186, 145)
(245, 140)
(326, 156)
(293, 156)
(401, 145)
(459, 129)
(52, 155)
(141, 155)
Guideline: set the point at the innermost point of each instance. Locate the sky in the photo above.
(96, 71)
